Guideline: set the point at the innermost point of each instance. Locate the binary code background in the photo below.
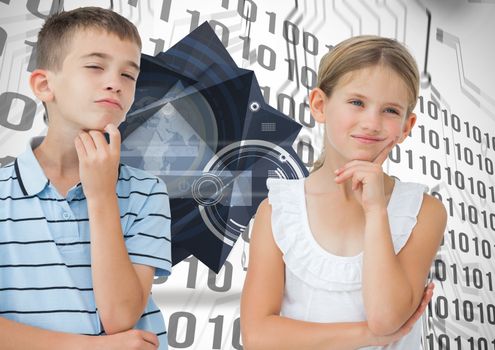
(451, 149)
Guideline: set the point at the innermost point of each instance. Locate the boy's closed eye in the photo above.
(126, 75)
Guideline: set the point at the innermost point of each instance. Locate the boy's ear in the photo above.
(317, 100)
(40, 85)
(408, 125)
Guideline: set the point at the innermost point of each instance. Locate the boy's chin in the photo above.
(103, 122)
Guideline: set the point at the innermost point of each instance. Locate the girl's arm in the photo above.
(263, 328)
(404, 274)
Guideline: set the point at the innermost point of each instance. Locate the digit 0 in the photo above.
(173, 325)
(28, 112)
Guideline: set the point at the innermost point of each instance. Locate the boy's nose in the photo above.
(113, 87)
(113, 83)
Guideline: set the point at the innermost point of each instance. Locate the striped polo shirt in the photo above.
(45, 262)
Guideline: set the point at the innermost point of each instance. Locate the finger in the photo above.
(380, 158)
(98, 139)
(350, 164)
(351, 171)
(357, 180)
(87, 142)
(81, 151)
(431, 286)
(115, 139)
(150, 338)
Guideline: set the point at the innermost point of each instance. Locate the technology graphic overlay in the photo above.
(200, 123)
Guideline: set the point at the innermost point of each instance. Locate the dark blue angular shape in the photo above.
(200, 123)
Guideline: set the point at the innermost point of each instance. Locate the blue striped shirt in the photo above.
(45, 262)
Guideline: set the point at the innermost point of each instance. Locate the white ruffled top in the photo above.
(321, 286)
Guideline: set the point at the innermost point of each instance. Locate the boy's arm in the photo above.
(121, 289)
(15, 336)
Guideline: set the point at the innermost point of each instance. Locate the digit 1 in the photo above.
(291, 69)
(265, 90)
(165, 14)
(454, 272)
(410, 158)
(236, 335)
(452, 239)
(32, 59)
(271, 24)
(194, 19)
(246, 46)
(217, 333)
(159, 45)
(192, 274)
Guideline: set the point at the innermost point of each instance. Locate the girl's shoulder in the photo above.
(409, 201)
(407, 197)
(276, 183)
(282, 191)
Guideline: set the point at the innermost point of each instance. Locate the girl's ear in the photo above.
(408, 125)
(317, 100)
(40, 85)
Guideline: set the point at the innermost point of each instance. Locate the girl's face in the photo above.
(366, 111)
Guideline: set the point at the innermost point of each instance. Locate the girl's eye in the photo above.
(391, 110)
(357, 102)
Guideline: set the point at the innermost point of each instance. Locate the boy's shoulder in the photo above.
(130, 177)
(7, 175)
(7, 168)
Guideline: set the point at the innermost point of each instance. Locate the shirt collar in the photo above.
(29, 173)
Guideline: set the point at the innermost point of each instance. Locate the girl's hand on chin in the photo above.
(367, 180)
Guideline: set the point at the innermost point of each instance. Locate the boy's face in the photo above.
(97, 81)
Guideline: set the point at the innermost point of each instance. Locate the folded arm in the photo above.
(404, 275)
(121, 289)
(262, 325)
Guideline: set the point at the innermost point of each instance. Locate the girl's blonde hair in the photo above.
(365, 51)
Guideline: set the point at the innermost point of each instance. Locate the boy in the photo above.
(81, 236)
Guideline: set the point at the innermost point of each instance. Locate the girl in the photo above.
(339, 260)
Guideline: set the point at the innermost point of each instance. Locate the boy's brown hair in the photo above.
(55, 36)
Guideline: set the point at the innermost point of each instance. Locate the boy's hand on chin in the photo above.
(98, 161)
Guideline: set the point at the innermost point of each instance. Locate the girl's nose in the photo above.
(371, 120)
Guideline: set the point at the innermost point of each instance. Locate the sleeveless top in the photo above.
(321, 286)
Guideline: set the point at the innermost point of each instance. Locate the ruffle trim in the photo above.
(403, 211)
(306, 259)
